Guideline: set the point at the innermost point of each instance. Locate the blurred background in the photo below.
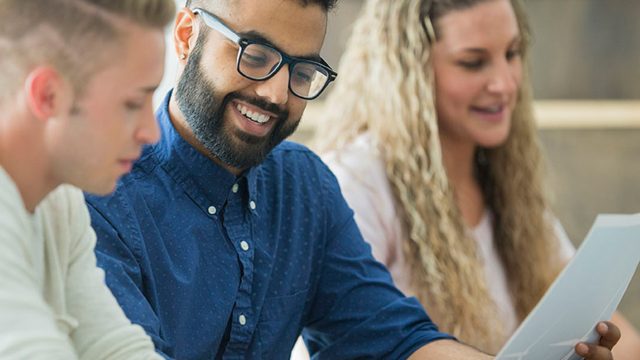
(586, 77)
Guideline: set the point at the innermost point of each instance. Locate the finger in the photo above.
(593, 352)
(609, 334)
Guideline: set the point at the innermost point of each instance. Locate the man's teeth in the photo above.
(253, 116)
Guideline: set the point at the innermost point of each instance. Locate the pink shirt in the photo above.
(362, 177)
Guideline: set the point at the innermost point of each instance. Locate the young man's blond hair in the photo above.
(75, 36)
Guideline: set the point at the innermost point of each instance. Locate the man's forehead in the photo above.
(290, 25)
(219, 4)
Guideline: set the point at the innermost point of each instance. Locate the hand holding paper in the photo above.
(587, 291)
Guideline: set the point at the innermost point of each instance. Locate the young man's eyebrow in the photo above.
(148, 89)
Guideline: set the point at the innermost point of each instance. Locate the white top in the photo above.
(54, 303)
(364, 183)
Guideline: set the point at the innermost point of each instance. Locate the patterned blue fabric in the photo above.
(218, 266)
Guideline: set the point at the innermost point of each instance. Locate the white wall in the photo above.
(170, 65)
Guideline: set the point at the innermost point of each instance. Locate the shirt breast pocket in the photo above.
(280, 324)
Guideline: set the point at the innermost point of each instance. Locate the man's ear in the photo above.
(184, 34)
(45, 92)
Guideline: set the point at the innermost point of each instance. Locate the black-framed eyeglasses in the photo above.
(260, 61)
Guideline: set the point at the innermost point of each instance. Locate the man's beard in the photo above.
(204, 112)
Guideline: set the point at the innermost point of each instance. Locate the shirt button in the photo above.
(234, 188)
(244, 245)
(252, 205)
(212, 210)
(242, 319)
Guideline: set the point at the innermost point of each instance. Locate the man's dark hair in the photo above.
(326, 4)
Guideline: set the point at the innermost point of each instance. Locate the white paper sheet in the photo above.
(587, 291)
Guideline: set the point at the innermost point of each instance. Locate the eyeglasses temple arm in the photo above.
(217, 24)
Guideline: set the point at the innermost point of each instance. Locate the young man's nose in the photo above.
(148, 131)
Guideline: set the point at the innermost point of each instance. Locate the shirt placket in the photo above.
(237, 221)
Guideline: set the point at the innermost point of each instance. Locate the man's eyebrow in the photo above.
(257, 36)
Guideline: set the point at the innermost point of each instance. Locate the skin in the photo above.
(290, 27)
(88, 140)
(446, 349)
(478, 74)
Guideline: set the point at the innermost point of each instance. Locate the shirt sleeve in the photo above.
(28, 326)
(103, 331)
(116, 255)
(357, 312)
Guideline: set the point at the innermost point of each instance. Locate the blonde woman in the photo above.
(431, 135)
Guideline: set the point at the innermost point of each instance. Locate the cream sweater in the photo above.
(53, 300)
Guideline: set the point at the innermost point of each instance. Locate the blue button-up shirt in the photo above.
(213, 265)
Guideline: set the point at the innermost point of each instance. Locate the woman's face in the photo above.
(478, 72)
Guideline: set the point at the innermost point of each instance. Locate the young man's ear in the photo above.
(184, 34)
(45, 92)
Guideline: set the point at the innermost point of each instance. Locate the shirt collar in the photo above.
(187, 164)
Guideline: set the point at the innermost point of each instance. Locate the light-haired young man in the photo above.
(75, 108)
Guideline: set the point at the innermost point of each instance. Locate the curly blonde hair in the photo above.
(386, 90)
